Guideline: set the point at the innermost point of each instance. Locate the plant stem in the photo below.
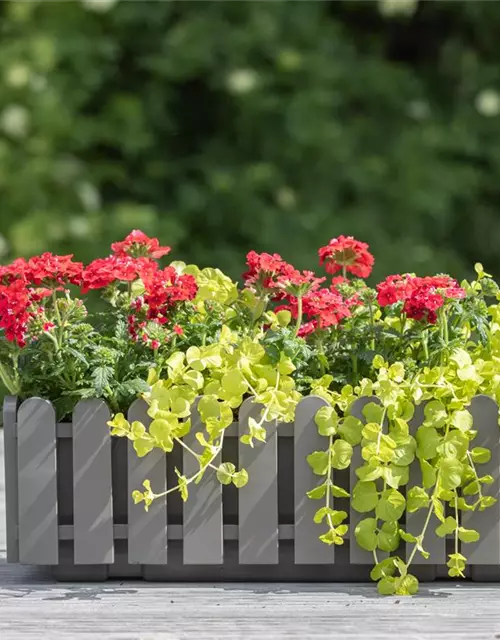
(372, 325)
(421, 537)
(60, 323)
(200, 470)
(456, 519)
(473, 466)
(344, 271)
(328, 483)
(425, 344)
(8, 382)
(299, 316)
(403, 323)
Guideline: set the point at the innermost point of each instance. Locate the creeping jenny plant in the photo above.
(182, 337)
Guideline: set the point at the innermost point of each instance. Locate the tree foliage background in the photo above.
(228, 126)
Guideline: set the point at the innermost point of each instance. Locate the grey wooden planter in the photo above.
(68, 488)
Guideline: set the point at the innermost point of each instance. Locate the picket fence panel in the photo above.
(270, 521)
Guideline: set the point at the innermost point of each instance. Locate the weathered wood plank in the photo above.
(36, 459)
(308, 547)
(258, 499)
(203, 541)
(147, 530)
(93, 506)
(486, 551)
(11, 477)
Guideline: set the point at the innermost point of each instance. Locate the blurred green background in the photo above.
(228, 126)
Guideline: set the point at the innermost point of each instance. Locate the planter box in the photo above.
(68, 488)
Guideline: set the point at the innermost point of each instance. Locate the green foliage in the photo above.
(102, 130)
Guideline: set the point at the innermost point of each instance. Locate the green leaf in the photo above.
(463, 505)
(341, 454)
(318, 461)
(371, 431)
(364, 497)
(468, 535)
(194, 379)
(333, 536)
(396, 476)
(451, 473)
(317, 493)
(350, 429)
(336, 517)
(446, 527)
(435, 414)
(338, 492)
(370, 472)
(454, 445)
(240, 478)
(480, 455)
(428, 474)
(407, 586)
(405, 454)
(462, 420)
(407, 536)
(225, 472)
(373, 412)
(326, 420)
(388, 536)
(427, 442)
(384, 569)
(391, 505)
(101, 378)
(366, 534)
(472, 488)
(143, 446)
(416, 498)
(487, 501)
(386, 586)
(234, 383)
(438, 509)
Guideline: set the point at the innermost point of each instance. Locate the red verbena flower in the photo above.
(49, 269)
(272, 274)
(422, 297)
(13, 271)
(321, 309)
(137, 244)
(347, 253)
(395, 288)
(178, 330)
(445, 284)
(423, 304)
(104, 271)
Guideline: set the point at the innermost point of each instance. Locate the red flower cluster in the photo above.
(105, 271)
(137, 244)
(321, 309)
(18, 308)
(163, 290)
(422, 296)
(347, 254)
(21, 282)
(273, 275)
(47, 270)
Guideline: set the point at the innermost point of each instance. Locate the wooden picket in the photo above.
(37, 497)
(273, 535)
(258, 500)
(147, 530)
(92, 507)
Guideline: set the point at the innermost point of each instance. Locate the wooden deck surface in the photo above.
(33, 606)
